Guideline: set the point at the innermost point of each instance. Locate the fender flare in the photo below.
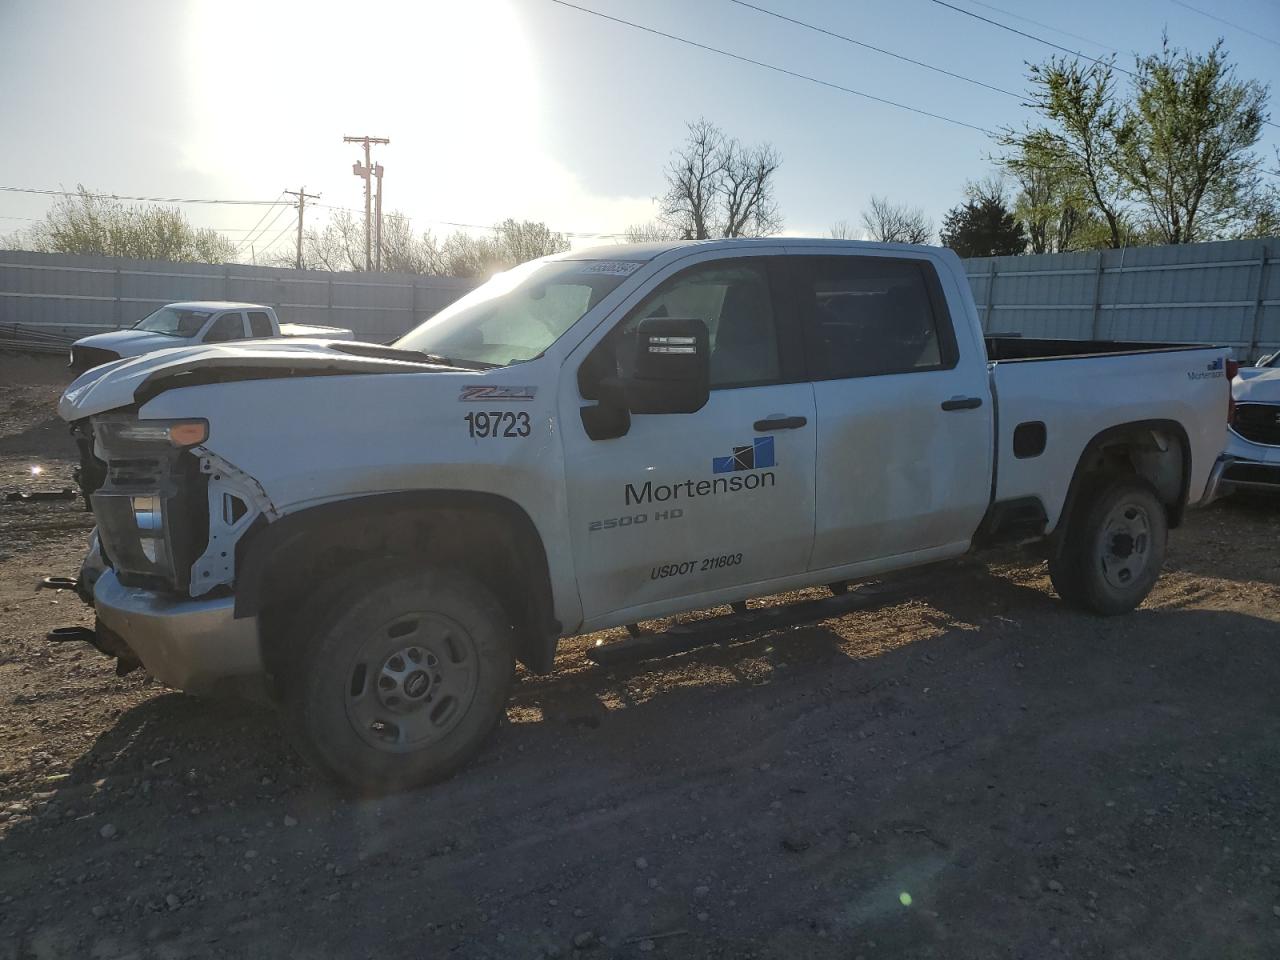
(285, 541)
(1103, 437)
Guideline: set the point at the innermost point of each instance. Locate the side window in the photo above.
(869, 316)
(733, 299)
(259, 324)
(229, 326)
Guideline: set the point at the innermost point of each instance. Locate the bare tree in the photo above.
(896, 222)
(717, 187)
(749, 208)
(655, 231)
(403, 251)
(844, 230)
(521, 240)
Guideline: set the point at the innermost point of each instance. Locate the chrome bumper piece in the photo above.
(188, 644)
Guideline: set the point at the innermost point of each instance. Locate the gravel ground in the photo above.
(974, 771)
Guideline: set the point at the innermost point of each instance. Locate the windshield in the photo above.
(519, 313)
(173, 322)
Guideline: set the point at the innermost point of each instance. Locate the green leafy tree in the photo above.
(1169, 161)
(86, 223)
(1079, 145)
(1186, 145)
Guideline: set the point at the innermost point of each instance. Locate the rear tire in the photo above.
(1113, 546)
(402, 679)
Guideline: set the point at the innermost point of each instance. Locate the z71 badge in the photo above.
(496, 392)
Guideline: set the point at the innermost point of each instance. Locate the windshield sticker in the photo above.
(494, 392)
(611, 268)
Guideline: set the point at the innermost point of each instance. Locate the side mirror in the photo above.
(670, 373)
(672, 367)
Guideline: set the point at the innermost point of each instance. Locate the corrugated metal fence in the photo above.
(58, 296)
(1225, 293)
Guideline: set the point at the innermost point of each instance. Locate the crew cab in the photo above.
(189, 323)
(375, 534)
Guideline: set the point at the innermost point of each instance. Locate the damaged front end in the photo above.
(162, 561)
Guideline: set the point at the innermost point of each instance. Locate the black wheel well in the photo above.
(487, 536)
(1156, 450)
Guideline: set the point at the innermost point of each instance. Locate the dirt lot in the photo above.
(976, 772)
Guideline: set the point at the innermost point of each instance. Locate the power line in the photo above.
(250, 238)
(870, 46)
(261, 218)
(1032, 36)
(1234, 26)
(576, 234)
(1065, 33)
(118, 196)
(274, 240)
(773, 67)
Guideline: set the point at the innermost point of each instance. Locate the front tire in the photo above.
(403, 678)
(1113, 547)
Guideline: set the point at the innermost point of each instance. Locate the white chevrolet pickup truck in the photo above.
(376, 534)
(190, 323)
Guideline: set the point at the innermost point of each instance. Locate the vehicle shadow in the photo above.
(955, 735)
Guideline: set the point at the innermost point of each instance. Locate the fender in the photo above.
(1116, 432)
(269, 553)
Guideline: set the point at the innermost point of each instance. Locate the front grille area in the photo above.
(150, 502)
(83, 358)
(1259, 422)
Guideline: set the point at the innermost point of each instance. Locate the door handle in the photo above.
(780, 423)
(962, 403)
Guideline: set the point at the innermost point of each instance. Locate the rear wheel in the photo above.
(402, 679)
(1113, 547)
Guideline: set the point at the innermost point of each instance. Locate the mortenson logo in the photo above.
(744, 460)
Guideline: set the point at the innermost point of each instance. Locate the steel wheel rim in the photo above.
(411, 682)
(1125, 546)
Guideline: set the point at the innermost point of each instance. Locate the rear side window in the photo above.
(229, 326)
(259, 324)
(871, 316)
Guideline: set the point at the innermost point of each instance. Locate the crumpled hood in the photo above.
(131, 343)
(1257, 385)
(116, 384)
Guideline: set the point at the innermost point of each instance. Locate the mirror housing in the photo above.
(671, 373)
(672, 367)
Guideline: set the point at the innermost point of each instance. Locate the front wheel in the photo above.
(1113, 547)
(403, 678)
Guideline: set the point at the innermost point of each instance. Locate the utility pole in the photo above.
(303, 197)
(365, 171)
(377, 218)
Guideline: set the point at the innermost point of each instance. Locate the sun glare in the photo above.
(275, 87)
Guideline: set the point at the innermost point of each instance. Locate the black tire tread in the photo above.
(1071, 567)
(369, 592)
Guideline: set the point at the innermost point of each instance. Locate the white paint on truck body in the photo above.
(875, 475)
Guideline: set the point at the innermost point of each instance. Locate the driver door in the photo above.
(702, 504)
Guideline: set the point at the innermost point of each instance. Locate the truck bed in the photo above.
(1178, 389)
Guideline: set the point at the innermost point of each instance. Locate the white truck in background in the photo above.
(1253, 445)
(190, 323)
(375, 535)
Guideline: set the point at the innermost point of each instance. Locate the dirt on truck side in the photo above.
(968, 769)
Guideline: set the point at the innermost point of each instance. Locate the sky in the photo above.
(532, 110)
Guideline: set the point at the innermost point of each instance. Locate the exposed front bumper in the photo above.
(195, 645)
(1250, 475)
